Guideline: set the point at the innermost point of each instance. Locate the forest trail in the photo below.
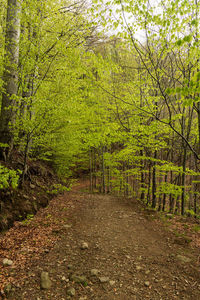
(137, 258)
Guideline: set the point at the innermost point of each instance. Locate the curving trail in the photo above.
(136, 256)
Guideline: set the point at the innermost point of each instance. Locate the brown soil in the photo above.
(127, 243)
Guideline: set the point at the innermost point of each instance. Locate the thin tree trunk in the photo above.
(142, 181)
(164, 196)
(154, 183)
(91, 171)
(149, 185)
(171, 199)
(183, 181)
(26, 150)
(103, 172)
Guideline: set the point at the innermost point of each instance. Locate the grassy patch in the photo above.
(196, 228)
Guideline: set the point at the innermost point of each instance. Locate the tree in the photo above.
(10, 76)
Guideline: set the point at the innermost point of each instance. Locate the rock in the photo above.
(7, 262)
(183, 258)
(78, 279)
(94, 272)
(64, 278)
(71, 292)
(147, 272)
(103, 279)
(147, 283)
(112, 282)
(84, 246)
(67, 226)
(126, 216)
(70, 267)
(164, 287)
(45, 280)
(138, 268)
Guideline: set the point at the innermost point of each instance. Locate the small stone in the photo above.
(70, 267)
(103, 279)
(126, 216)
(45, 280)
(94, 272)
(32, 186)
(83, 298)
(64, 278)
(147, 272)
(84, 246)
(7, 262)
(164, 287)
(147, 283)
(138, 268)
(67, 226)
(71, 292)
(112, 282)
(183, 258)
(78, 279)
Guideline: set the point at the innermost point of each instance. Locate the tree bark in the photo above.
(10, 75)
(154, 200)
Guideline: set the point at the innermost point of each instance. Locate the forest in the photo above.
(110, 89)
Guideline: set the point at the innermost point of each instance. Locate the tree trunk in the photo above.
(164, 195)
(103, 173)
(171, 198)
(10, 76)
(142, 181)
(149, 185)
(183, 181)
(154, 183)
(91, 171)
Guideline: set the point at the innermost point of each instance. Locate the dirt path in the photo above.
(132, 251)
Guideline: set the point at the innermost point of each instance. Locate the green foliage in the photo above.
(8, 178)
(28, 220)
(196, 228)
(123, 97)
(190, 212)
(59, 188)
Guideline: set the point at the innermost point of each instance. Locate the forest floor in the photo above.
(130, 253)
